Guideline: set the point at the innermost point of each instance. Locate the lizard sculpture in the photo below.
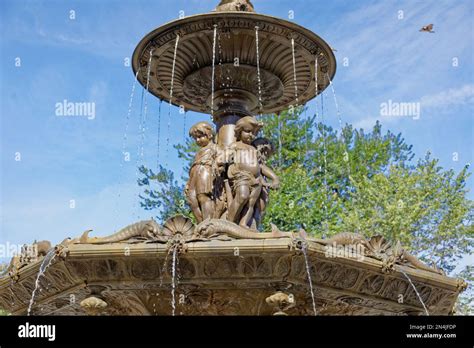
(404, 256)
(213, 227)
(343, 238)
(396, 254)
(147, 229)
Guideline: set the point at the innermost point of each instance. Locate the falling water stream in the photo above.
(279, 139)
(316, 68)
(219, 59)
(178, 274)
(213, 70)
(260, 106)
(145, 108)
(48, 259)
(416, 291)
(171, 99)
(158, 138)
(174, 264)
(129, 112)
(141, 130)
(294, 69)
(305, 254)
(13, 295)
(184, 137)
(346, 150)
(163, 269)
(338, 112)
(323, 134)
(173, 281)
(184, 126)
(325, 180)
(125, 140)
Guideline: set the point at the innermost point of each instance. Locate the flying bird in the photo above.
(427, 28)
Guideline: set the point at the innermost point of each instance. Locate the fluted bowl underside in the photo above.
(235, 61)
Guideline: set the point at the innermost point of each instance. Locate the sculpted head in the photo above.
(246, 129)
(202, 132)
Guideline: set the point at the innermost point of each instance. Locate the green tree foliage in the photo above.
(422, 206)
(366, 183)
(163, 193)
(465, 303)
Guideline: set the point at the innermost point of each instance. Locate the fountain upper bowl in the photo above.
(235, 45)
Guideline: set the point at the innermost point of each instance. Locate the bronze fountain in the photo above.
(233, 64)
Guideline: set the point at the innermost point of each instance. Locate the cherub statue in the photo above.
(265, 150)
(199, 189)
(244, 172)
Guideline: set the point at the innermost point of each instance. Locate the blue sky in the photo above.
(380, 57)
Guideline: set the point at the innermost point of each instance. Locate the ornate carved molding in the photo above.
(224, 277)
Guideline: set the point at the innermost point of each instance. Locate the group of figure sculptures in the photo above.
(231, 182)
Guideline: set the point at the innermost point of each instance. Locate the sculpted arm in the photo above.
(270, 174)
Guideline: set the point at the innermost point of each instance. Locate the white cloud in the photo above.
(451, 97)
(71, 40)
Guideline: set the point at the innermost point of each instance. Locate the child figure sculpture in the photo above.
(265, 150)
(200, 186)
(244, 172)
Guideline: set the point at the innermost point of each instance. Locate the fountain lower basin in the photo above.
(224, 277)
